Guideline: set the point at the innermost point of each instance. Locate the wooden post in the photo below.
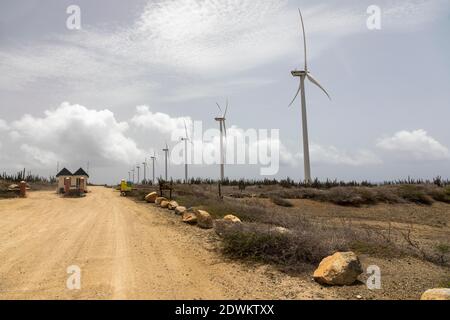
(23, 189)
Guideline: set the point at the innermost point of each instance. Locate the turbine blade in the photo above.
(186, 130)
(296, 95)
(218, 106)
(304, 40)
(311, 78)
(225, 128)
(226, 110)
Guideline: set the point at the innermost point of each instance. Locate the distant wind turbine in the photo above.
(186, 139)
(166, 152)
(303, 75)
(145, 170)
(138, 170)
(153, 164)
(223, 131)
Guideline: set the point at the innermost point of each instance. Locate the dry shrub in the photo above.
(282, 202)
(293, 250)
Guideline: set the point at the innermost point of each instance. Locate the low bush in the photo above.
(293, 250)
(415, 194)
(282, 202)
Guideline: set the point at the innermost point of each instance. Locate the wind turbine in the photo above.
(153, 161)
(186, 139)
(139, 170)
(145, 170)
(133, 170)
(305, 74)
(166, 152)
(223, 130)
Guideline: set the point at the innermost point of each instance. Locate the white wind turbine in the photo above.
(303, 75)
(166, 153)
(153, 167)
(186, 139)
(223, 130)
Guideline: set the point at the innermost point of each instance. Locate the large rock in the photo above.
(159, 200)
(173, 205)
(151, 197)
(190, 218)
(342, 268)
(436, 294)
(232, 218)
(164, 204)
(205, 221)
(180, 210)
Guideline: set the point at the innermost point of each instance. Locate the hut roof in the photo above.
(64, 172)
(81, 172)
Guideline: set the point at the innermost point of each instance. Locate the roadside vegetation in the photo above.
(275, 231)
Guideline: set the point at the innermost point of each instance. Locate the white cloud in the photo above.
(333, 156)
(158, 121)
(3, 125)
(170, 39)
(75, 134)
(416, 145)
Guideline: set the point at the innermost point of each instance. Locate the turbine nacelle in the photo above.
(297, 73)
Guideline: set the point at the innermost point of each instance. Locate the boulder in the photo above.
(159, 200)
(189, 217)
(232, 218)
(205, 221)
(164, 204)
(151, 197)
(436, 294)
(342, 268)
(180, 210)
(173, 205)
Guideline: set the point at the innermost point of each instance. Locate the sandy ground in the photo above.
(126, 250)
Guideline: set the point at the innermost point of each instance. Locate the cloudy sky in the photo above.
(115, 91)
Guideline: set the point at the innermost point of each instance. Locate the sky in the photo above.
(113, 92)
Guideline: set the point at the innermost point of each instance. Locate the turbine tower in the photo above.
(138, 170)
(145, 170)
(153, 166)
(305, 74)
(186, 139)
(223, 130)
(166, 152)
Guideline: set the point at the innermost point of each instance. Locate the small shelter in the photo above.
(80, 178)
(74, 181)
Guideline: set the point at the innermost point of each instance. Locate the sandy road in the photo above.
(125, 250)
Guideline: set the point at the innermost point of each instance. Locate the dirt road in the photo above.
(125, 250)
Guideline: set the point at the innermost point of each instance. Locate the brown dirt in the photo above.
(126, 250)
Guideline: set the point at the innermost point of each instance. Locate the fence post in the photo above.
(23, 189)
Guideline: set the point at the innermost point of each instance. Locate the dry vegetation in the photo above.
(295, 227)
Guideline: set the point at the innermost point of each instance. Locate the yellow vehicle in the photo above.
(125, 188)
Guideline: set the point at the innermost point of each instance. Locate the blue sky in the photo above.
(71, 96)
